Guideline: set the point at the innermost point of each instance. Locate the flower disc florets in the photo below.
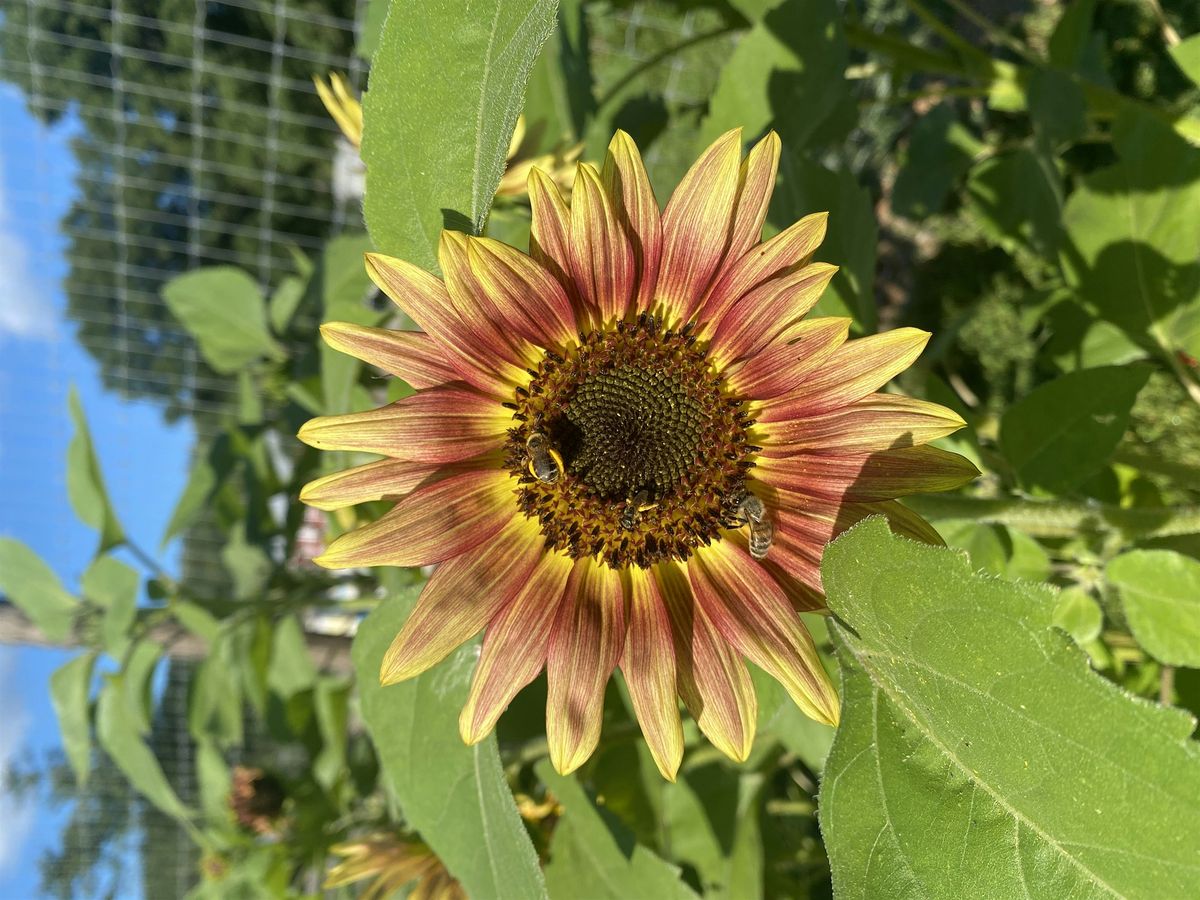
(653, 446)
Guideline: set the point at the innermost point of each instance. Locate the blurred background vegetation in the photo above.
(1019, 178)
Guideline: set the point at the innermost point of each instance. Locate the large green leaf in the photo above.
(1017, 198)
(1065, 430)
(593, 850)
(456, 796)
(85, 482)
(1133, 253)
(70, 686)
(225, 312)
(447, 84)
(344, 291)
(34, 589)
(1160, 591)
(978, 755)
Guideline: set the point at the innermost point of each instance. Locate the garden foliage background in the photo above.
(1023, 180)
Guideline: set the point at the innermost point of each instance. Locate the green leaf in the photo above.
(978, 754)
(284, 302)
(118, 730)
(214, 781)
(1078, 614)
(1160, 591)
(291, 669)
(215, 700)
(790, 59)
(1057, 107)
(1133, 248)
(593, 849)
(223, 309)
(247, 564)
(1065, 430)
(113, 585)
(136, 674)
(940, 150)
(447, 83)
(1017, 198)
(70, 686)
(345, 288)
(332, 703)
(806, 187)
(456, 796)
(85, 482)
(997, 548)
(35, 590)
(209, 470)
(1187, 56)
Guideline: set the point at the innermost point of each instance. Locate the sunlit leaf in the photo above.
(978, 754)
(291, 668)
(1065, 430)
(35, 590)
(1160, 591)
(1078, 614)
(447, 84)
(456, 796)
(1017, 199)
(70, 687)
(114, 586)
(85, 482)
(224, 311)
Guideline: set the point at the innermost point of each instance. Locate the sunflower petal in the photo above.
(479, 309)
(866, 477)
(627, 183)
(752, 613)
(877, 422)
(514, 647)
(435, 522)
(767, 311)
(424, 299)
(409, 355)
(550, 229)
(713, 680)
(756, 184)
(585, 644)
(857, 368)
(648, 664)
(797, 354)
(791, 249)
(439, 425)
(602, 261)
(530, 299)
(696, 225)
(384, 479)
(461, 597)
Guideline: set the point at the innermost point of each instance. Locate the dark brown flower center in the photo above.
(628, 446)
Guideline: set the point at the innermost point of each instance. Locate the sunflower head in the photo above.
(629, 448)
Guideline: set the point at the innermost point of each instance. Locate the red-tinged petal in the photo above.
(585, 644)
(877, 422)
(628, 185)
(713, 680)
(410, 355)
(461, 597)
(384, 479)
(884, 475)
(857, 368)
(756, 184)
(530, 299)
(648, 664)
(424, 299)
(440, 425)
(767, 311)
(602, 261)
(752, 613)
(791, 249)
(799, 352)
(437, 521)
(550, 229)
(479, 310)
(514, 647)
(696, 225)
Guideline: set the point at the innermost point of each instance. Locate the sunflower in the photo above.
(393, 862)
(629, 449)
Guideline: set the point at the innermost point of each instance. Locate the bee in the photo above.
(753, 512)
(545, 463)
(634, 508)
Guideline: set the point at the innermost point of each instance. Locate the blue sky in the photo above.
(144, 460)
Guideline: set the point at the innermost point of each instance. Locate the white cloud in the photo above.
(16, 815)
(26, 310)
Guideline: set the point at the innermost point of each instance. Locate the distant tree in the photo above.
(198, 146)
